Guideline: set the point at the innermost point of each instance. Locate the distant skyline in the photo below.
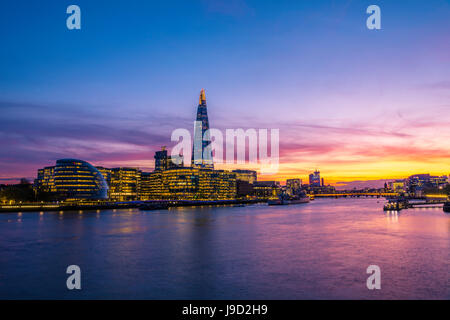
(357, 104)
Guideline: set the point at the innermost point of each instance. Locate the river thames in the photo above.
(318, 250)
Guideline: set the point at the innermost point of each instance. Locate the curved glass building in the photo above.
(77, 179)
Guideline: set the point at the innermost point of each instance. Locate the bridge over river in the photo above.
(357, 195)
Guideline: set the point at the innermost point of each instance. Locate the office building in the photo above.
(151, 186)
(45, 181)
(314, 179)
(201, 150)
(188, 184)
(106, 173)
(293, 186)
(125, 184)
(244, 189)
(418, 183)
(217, 184)
(397, 186)
(77, 179)
(163, 161)
(246, 175)
(266, 189)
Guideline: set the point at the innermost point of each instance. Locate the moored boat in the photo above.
(395, 205)
(276, 202)
(447, 207)
(290, 200)
(154, 206)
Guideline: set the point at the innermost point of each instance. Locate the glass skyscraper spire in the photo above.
(202, 151)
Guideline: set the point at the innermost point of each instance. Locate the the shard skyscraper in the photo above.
(201, 150)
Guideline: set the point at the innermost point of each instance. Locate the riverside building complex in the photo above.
(168, 181)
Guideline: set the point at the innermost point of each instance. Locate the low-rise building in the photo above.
(246, 175)
(266, 189)
(293, 186)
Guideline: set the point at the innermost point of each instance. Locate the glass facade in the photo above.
(217, 184)
(77, 179)
(266, 189)
(125, 184)
(151, 186)
(45, 181)
(188, 184)
(201, 150)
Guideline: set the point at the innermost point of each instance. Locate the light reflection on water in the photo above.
(318, 250)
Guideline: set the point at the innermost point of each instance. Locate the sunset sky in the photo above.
(357, 104)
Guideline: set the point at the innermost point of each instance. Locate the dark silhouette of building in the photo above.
(163, 161)
(243, 188)
(17, 192)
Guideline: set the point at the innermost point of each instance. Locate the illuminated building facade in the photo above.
(397, 185)
(246, 175)
(217, 185)
(125, 184)
(188, 184)
(417, 183)
(45, 181)
(151, 186)
(293, 186)
(106, 173)
(244, 189)
(77, 179)
(201, 150)
(266, 189)
(439, 181)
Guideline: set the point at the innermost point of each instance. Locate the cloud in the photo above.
(33, 136)
(445, 84)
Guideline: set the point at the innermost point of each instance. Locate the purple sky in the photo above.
(358, 104)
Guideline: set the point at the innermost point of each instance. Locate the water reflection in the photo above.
(319, 250)
(392, 216)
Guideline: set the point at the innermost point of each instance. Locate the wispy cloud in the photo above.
(43, 134)
(344, 150)
(445, 84)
